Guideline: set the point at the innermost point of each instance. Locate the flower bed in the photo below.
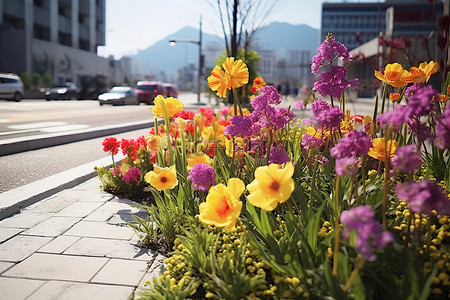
(259, 205)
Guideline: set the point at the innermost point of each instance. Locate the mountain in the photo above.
(283, 36)
(277, 36)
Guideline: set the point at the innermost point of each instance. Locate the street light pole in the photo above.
(198, 42)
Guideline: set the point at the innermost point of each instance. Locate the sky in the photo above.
(134, 25)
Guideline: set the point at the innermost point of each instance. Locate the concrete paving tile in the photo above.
(7, 233)
(79, 194)
(155, 270)
(5, 266)
(79, 209)
(53, 226)
(53, 204)
(110, 208)
(18, 288)
(21, 246)
(60, 290)
(109, 248)
(100, 230)
(57, 267)
(125, 218)
(25, 219)
(122, 272)
(59, 244)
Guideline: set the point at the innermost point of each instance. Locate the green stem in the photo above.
(167, 129)
(336, 227)
(237, 103)
(352, 277)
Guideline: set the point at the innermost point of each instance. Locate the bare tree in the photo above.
(241, 19)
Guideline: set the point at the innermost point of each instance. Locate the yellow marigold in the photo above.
(217, 82)
(393, 75)
(162, 178)
(394, 97)
(173, 106)
(443, 98)
(378, 149)
(258, 82)
(152, 141)
(222, 206)
(197, 158)
(236, 72)
(272, 185)
(423, 72)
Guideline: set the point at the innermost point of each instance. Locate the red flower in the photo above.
(253, 89)
(153, 157)
(190, 128)
(129, 147)
(184, 114)
(110, 144)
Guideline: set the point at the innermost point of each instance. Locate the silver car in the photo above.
(11, 87)
(119, 95)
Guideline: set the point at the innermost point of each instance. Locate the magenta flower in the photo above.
(368, 230)
(133, 174)
(347, 166)
(411, 90)
(329, 118)
(443, 130)
(202, 176)
(310, 142)
(406, 159)
(354, 143)
(299, 105)
(328, 51)
(333, 83)
(239, 126)
(423, 196)
(420, 103)
(422, 131)
(396, 118)
(278, 156)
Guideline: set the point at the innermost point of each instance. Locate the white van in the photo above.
(11, 87)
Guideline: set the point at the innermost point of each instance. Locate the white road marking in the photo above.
(36, 125)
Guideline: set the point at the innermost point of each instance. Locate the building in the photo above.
(56, 36)
(354, 24)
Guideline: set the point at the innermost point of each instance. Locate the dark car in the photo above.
(68, 90)
(119, 95)
(148, 90)
(171, 90)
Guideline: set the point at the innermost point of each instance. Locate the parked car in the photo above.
(119, 95)
(171, 90)
(11, 87)
(148, 90)
(68, 90)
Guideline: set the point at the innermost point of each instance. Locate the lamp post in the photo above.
(198, 42)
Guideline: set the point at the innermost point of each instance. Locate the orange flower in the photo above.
(236, 71)
(197, 158)
(258, 82)
(378, 149)
(217, 82)
(272, 185)
(222, 206)
(152, 141)
(162, 178)
(423, 72)
(393, 75)
(394, 97)
(443, 98)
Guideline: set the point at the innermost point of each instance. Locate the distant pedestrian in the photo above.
(295, 91)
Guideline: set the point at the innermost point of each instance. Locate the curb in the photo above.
(13, 201)
(16, 145)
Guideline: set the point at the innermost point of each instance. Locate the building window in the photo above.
(40, 3)
(41, 32)
(64, 39)
(83, 44)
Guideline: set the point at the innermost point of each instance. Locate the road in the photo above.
(36, 117)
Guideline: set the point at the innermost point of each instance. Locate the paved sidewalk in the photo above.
(74, 245)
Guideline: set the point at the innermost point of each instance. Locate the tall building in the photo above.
(354, 24)
(55, 36)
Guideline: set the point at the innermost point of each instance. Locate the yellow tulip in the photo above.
(173, 106)
(222, 206)
(393, 75)
(197, 158)
(217, 82)
(423, 72)
(378, 149)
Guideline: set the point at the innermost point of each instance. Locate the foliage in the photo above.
(26, 80)
(359, 205)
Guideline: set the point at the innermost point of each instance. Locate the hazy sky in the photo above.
(136, 24)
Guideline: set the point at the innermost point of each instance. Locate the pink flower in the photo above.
(133, 174)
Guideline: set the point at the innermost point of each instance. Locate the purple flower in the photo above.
(330, 118)
(369, 233)
(202, 176)
(239, 126)
(329, 50)
(272, 94)
(354, 143)
(422, 131)
(396, 117)
(278, 156)
(406, 159)
(347, 166)
(299, 105)
(423, 196)
(411, 90)
(310, 142)
(133, 174)
(443, 130)
(318, 106)
(333, 83)
(419, 104)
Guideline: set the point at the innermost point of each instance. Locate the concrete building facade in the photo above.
(56, 36)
